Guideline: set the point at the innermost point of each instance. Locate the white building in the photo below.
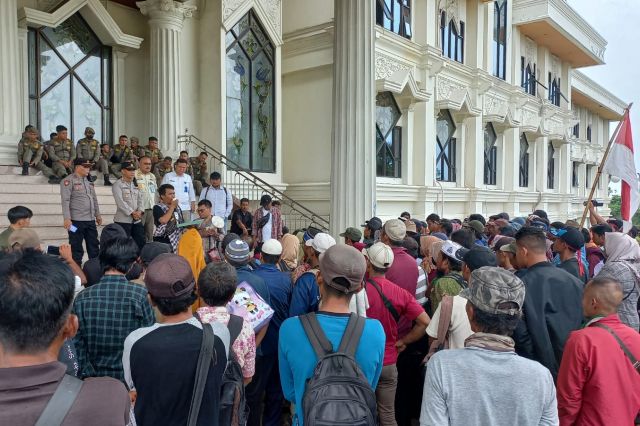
(351, 107)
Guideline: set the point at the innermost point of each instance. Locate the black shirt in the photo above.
(245, 218)
(572, 267)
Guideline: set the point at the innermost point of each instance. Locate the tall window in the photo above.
(554, 90)
(528, 76)
(575, 174)
(388, 136)
(587, 178)
(70, 80)
(551, 166)
(452, 38)
(589, 132)
(524, 161)
(251, 131)
(500, 39)
(395, 15)
(490, 155)
(576, 130)
(445, 147)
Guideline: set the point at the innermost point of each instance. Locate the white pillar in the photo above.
(119, 114)
(10, 83)
(166, 18)
(353, 174)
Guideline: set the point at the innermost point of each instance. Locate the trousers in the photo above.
(135, 231)
(88, 232)
(386, 395)
(255, 390)
(147, 221)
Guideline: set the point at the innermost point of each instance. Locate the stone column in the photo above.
(10, 83)
(120, 106)
(166, 18)
(353, 173)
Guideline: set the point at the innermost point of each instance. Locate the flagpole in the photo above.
(602, 163)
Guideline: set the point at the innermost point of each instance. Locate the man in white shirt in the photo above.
(183, 185)
(219, 196)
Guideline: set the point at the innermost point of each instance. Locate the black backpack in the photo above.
(338, 393)
(233, 407)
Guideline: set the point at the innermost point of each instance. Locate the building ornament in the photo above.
(531, 53)
(386, 66)
(447, 87)
(270, 7)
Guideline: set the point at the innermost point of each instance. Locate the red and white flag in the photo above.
(621, 163)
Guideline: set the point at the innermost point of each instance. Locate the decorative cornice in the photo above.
(269, 11)
(386, 66)
(166, 13)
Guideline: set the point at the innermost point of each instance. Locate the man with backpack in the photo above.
(174, 369)
(388, 303)
(220, 197)
(312, 348)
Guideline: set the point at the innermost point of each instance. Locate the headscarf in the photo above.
(426, 241)
(619, 246)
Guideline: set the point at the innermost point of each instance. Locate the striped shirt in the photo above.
(421, 288)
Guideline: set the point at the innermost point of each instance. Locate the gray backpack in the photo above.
(338, 393)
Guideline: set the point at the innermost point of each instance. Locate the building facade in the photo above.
(351, 107)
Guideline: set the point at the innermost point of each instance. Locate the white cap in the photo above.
(321, 242)
(217, 222)
(380, 255)
(272, 247)
(453, 250)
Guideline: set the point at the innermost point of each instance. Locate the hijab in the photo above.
(620, 246)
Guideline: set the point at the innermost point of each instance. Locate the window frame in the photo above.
(500, 27)
(554, 90)
(490, 156)
(395, 133)
(386, 15)
(452, 38)
(528, 77)
(575, 174)
(523, 166)
(448, 151)
(551, 166)
(576, 131)
(589, 133)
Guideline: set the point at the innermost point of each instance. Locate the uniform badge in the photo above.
(66, 182)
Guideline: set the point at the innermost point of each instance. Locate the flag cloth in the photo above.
(621, 163)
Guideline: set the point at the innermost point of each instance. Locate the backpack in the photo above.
(233, 407)
(338, 393)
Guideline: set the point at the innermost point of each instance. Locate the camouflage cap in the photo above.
(89, 130)
(490, 288)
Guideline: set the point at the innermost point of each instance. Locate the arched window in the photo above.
(500, 39)
(551, 166)
(528, 77)
(69, 80)
(589, 132)
(388, 136)
(251, 131)
(445, 147)
(452, 38)
(490, 155)
(554, 90)
(524, 161)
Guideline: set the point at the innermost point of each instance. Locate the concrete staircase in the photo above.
(44, 200)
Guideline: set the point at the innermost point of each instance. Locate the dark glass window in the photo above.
(388, 136)
(452, 38)
(528, 77)
(69, 80)
(551, 166)
(524, 161)
(490, 155)
(587, 178)
(554, 90)
(500, 39)
(589, 132)
(575, 174)
(250, 71)
(576, 130)
(445, 147)
(395, 15)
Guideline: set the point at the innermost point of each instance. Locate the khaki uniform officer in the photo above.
(121, 153)
(137, 151)
(129, 202)
(30, 153)
(62, 152)
(152, 151)
(81, 211)
(162, 168)
(199, 170)
(89, 149)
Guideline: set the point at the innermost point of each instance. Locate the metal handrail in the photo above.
(314, 218)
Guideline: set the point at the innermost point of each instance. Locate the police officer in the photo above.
(62, 152)
(152, 151)
(199, 169)
(81, 211)
(30, 153)
(89, 149)
(130, 204)
(121, 154)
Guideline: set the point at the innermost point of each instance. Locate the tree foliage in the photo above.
(614, 206)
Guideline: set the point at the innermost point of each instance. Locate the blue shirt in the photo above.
(279, 284)
(297, 360)
(305, 296)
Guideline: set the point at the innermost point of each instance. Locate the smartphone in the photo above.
(72, 228)
(54, 250)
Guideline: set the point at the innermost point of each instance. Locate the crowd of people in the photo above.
(232, 319)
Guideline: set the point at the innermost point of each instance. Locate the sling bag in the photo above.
(202, 371)
(60, 403)
(385, 300)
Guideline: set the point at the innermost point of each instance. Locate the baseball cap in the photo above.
(24, 238)
(490, 287)
(512, 247)
(540, 225)
(343, 261)
(502, 242)
(321, 242)
(374, 223)
(81, 162)
(478, 257)
(310, 233)
(128, 165)
(476, 225)
(237, 250)
(89, 130)
(169, 276)
(571, 236)
(152, 250)
(411, 226)
(354, 234)
(395, 229)
(454, 250)
(380, 255)
(272, 247)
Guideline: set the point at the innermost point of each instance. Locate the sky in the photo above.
(618, 21)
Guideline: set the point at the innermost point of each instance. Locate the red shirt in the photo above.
(404, 273)
(597, 384)
(404, 303)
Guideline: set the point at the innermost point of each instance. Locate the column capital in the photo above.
(166, 13)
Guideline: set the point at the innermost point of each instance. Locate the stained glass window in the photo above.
(70, 80)
(490, 155)
(524, 161)
(251, 131)
(388, 136)
(445, 147)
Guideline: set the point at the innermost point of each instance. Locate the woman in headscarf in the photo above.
(623, 265)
